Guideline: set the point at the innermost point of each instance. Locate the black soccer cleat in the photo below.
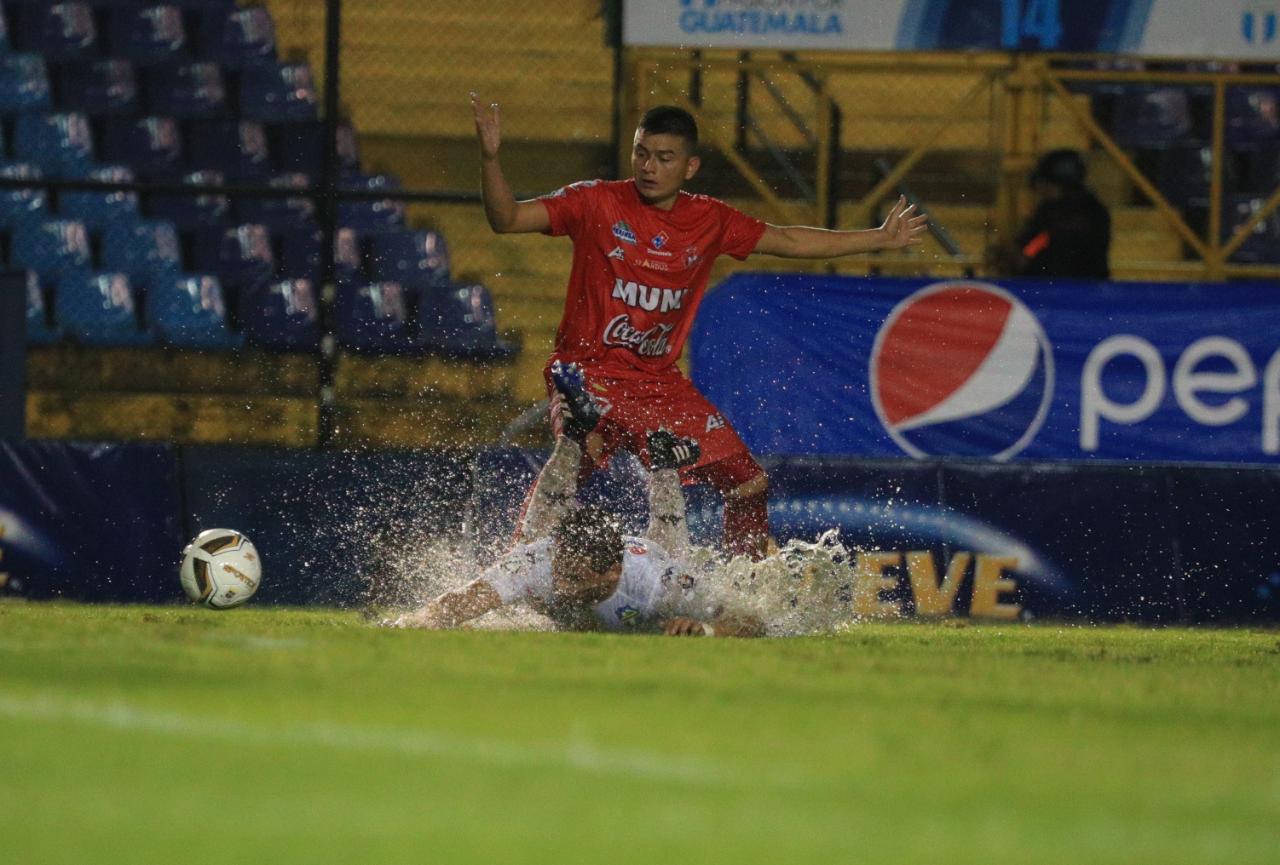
(669, 451)
(582, 415)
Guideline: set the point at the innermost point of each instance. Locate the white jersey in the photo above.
(653, 585)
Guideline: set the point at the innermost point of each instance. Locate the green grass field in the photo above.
(175, 735)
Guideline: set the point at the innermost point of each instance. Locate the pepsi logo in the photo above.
(962, 369)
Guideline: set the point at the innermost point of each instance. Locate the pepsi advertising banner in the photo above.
(1171, 28)
(842, 366)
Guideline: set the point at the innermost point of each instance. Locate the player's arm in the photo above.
(505, 214)
(725, 625)
(453, 608)
(900, 229)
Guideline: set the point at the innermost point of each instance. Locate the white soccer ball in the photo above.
(220, 569)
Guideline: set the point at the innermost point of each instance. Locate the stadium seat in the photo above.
(100, 209)
(186, 90)
(147, 251)
(240, 255)
(280, 214)
(147, 35)
(54, 248)
(1148, 116)
(300, 255)
(237, 148)
(99, 87)
(371, 214)
(413, 258)
(152, 146)
(278, 92)
(193, 212)
(1252, 115)
(374, 318)
(1263, 245)
(24, 83)
(282, 316)
(39, 330)
(19, 206)
(1258, 167)
(59, 31)
(188, 311)
(457, 320)
(99, 309)
(1182, 173)
(61, 144)
(235, 38)
(300, 147)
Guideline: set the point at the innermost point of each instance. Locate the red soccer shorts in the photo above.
(631, 408)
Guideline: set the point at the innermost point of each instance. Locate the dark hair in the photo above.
(671, 120)
(592, 535)
(1064, 167)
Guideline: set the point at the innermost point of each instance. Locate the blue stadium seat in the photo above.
(237, 148)
(147, 35)
(99, 309)
(300, 255)
(61, 144)
(374, 318)
(54, 248)
(412, 258)
(282, 316)
(280, 214)
(278, 92)
(186, 90)
(147, 251)
(193, 212)
(24, 83)
(1263, 245)
(188, 311)
(240, 255)
(1252, 115)
(60, 31)
(19, 206)
(300, 147)
(100, 209)
(151, 146)
(99, 87)
(39, 330)
(457, 320)
(1151, 116)
(236, 38)
(371, 214)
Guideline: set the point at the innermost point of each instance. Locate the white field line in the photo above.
(575, 753)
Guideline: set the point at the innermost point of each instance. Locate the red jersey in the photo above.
(639, 272)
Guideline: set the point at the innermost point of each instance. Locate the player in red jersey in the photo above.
(642, 255)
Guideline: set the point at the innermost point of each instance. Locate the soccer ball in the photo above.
(220, 569)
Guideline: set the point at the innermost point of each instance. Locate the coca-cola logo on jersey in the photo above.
(654, 342)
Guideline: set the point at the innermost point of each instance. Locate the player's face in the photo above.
(661, 163)
(574, 583)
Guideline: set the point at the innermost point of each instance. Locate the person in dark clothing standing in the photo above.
(1069, 234)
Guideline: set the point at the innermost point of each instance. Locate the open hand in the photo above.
(902, 229)
(487, 126)
(682, 627)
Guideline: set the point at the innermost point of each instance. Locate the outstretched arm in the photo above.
(505, 214)
(899, 230)
(721, 626)
(453, 608)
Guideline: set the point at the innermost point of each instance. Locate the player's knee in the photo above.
(755, 486)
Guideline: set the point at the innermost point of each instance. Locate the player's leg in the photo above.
(575, 419)
(668, 453)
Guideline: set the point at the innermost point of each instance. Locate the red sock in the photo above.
(746, 525)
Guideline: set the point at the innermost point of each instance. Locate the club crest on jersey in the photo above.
(623, 232)
(714, 421)
(691, 256)
(618, 254)
(649, 299)
(627, 614)
(659, 240)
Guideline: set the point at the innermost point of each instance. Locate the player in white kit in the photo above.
(575, 565)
